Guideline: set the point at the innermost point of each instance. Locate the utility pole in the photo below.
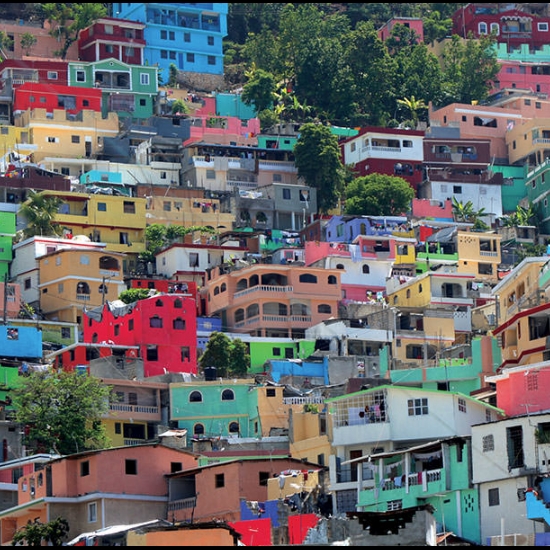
(103, 292)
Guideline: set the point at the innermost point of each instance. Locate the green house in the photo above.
(128, 90)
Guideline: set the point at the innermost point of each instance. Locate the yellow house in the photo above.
(308, 435)
(117, 221)
(187, 212)
(16, 140)
(74, 279)
(479, 253)
(522, 288)
(59, 134)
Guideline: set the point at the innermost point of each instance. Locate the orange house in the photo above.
(269, 300)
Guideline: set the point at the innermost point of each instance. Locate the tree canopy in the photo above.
(230, 357)
(34, 533)
(39, 212)
(62, 411)
(318, 161)
(378, 195)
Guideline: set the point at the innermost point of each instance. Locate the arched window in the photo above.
(216, 290)
(94, 338)
(158, 303)
(239, 315)
(108, 262)
(324, 308)
(103, 289)
(82, 288)
(198, 429)
(228, 395)
(195, 397)
(234, 428)
(340, 266)
(179, 324)
(155, 322)
(252, 311)
(408, 293)
(241, 285)
(332, 280)
(308, 278)
(366, 269)
(223, 287)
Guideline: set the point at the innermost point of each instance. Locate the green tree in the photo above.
(318, 161)
(39, 212)
(239, 359)
(28, 40)
(465, 212)
(62, 411)
(34, 533)
(179, 107)
(67, 20)
(259, 91)
(378, 195)
(469, 67)
(6, 42)
(131, 295)
(173, 75)
(217, 354)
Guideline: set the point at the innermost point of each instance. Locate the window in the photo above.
(198, 429)
(324, 308)
(118, 428)
(494, 499)
(211, 60)
(178, 324)
(155, 322)
(152, 353)
(27, 284)
(462, 404)
(542, 27)
(92, 512)
(144, 79)
(85, 468)
(80, 76)
(195, 397)
(132, 398)
(131, 324)
(65, 332)
(175, 467)
(84, 259)
(185, 353)
(129, 207)
(193, 259)
(109, 48)
(220, 481)
(228, 395)
(286, 194)
(457, 189)
(234, 428)
(163, 54)
(270, 392)
(210, 40)
(187, 37)
(52, 75)
(190, 57)
(514, 441)
(75, 139)
(102, 207)
(131, 467)
(418, 407)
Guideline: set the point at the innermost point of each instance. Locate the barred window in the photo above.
(488, 443)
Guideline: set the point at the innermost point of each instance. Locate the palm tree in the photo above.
(414, 106)
(39, 212)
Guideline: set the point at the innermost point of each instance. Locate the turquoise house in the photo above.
(129, 90)
(216, 407)
(436, 474)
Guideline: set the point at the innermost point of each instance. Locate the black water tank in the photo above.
(210, 373)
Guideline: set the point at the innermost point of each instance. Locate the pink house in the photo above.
(522, 390)
(97, 489)
(412, 23)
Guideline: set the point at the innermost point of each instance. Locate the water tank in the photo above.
(210, 374)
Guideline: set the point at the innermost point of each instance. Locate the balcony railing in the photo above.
(264, 288)
(182, 504)
(123, 407)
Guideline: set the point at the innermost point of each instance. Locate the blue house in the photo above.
(188, 36)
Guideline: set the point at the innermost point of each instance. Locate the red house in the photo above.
(33, 95)
(108, 37)
(18, 71)
(512, 27)
(161, 330)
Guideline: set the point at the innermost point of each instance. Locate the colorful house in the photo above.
(117, 221)
(128, 90)
(188, 36)
(272, 300)
(73, 280)
(97, 489)
(164, 327)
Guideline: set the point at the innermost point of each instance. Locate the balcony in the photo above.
(267, 289)
(416, 485)
(182, 504)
